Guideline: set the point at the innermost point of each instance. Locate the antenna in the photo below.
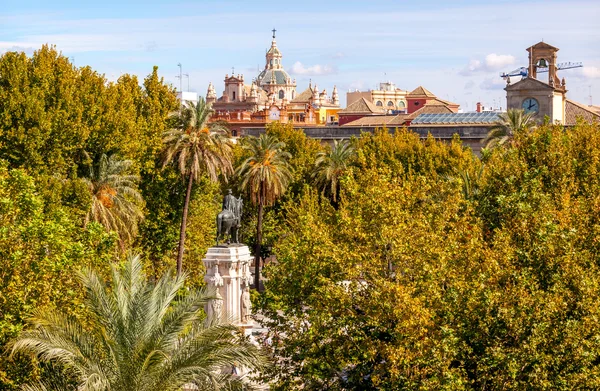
(188, 78)
(590, 87)
(180, 77)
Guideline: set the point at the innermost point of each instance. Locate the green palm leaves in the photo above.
(196, 147)
(265, 174)
(330, 166)
(512, 121)
(139, 336)
(116, 203)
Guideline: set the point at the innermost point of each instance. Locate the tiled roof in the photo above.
(574, 110)
(304, 96)
(362, 106)
(439, 101)
(420, 92)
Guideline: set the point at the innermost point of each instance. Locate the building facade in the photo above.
(272, 96)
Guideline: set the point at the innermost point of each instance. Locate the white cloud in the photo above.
(469, 85)
(492, 62)
(314, 70)
(591, 72)
(495, 62)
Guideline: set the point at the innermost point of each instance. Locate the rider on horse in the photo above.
(228, 221)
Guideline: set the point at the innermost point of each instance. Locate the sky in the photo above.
(456, 49)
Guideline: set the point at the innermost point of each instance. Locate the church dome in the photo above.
(266, 77)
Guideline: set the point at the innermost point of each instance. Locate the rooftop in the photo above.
(456, 118)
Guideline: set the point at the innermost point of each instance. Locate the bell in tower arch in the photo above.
(542, 63)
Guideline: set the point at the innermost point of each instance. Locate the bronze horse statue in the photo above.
(229, 219)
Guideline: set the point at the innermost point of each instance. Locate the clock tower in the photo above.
(535, 96)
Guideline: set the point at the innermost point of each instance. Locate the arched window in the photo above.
(293, 94)
(271, 62)
(390, 104)
(281, 94)
(379, 103)
(401, 104)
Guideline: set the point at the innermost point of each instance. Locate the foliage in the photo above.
(141, 336)
(415, 283)
(265, 174)
(514, 120)
(116, 202)
(302, 149)
(39, 252)
(196, 147)
(330, 166)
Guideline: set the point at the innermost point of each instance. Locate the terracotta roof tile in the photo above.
(574, 110)
(420, 92)
(304, 97)
(362, 106)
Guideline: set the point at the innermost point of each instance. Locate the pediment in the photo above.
(542, 45)
(529, 83)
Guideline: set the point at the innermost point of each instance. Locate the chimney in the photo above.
(478, 107)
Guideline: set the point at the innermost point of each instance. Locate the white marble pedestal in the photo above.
(228, 270)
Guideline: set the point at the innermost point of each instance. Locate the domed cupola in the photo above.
(273, 55)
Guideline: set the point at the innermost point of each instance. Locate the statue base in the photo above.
(228, 271)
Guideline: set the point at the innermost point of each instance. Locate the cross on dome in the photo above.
(274, 32)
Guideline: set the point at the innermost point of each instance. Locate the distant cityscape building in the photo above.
(387, 96)
(272, 96)
(364, 112)
(546, 99)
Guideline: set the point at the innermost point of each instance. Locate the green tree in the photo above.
(330, 166)
(504, 128)
(116, 202)
(140, 336)
(196, 147)
(41, 246)
(265, 174)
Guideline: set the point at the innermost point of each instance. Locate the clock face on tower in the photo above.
(531, 105)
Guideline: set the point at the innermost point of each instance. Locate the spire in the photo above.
(273, 55)
(335, 97)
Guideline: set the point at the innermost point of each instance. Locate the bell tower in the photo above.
(540, 98)
(542, 55)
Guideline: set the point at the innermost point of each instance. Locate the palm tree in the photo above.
(330, 166)
(139, 335)
(265, 174)
(196, 147)
(116, 202)
(512, 121)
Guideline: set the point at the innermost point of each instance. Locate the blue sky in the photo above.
(455, 49)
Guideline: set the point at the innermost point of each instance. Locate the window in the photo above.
(379, 103)
(417, 103)
(233, 95)
(281, 94)
(401, 104)
(390, 104)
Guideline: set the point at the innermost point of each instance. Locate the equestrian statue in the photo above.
(229, 219)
